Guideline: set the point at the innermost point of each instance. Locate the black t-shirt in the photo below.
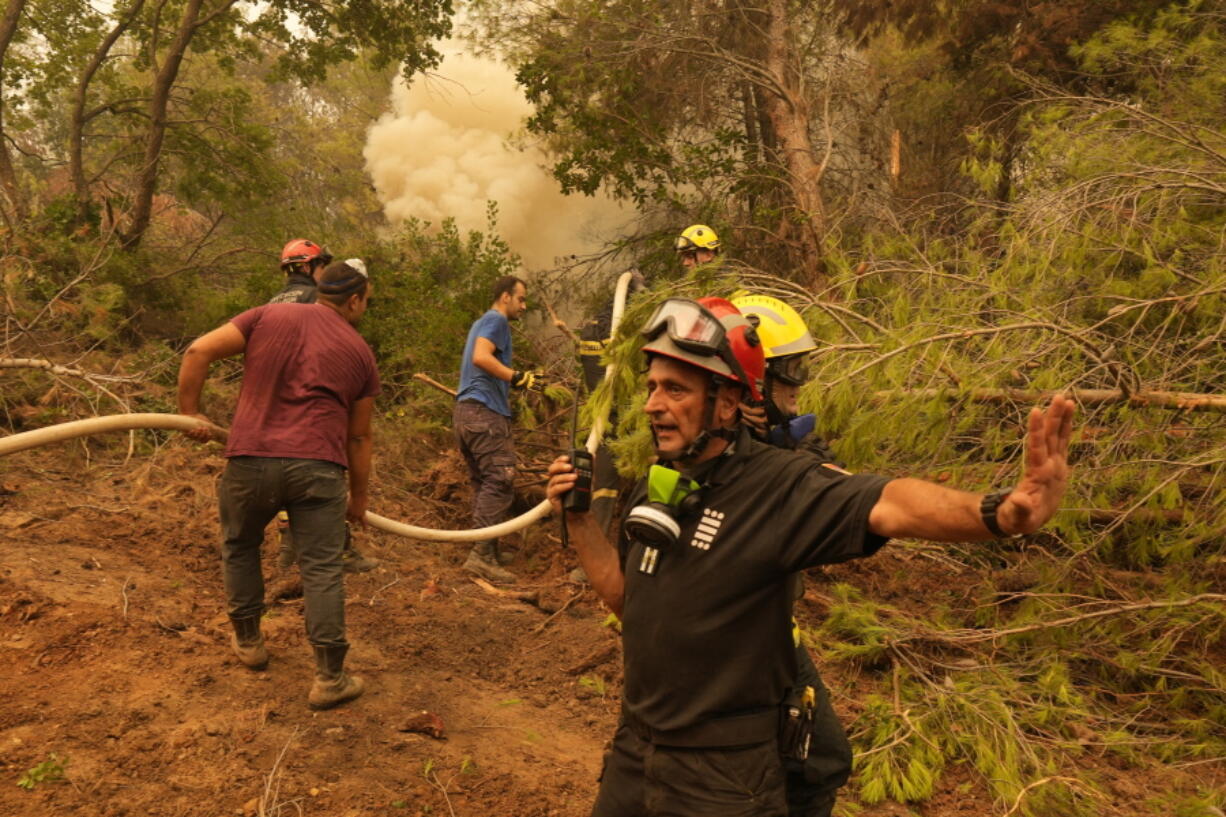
(299, 289)
(708, 634)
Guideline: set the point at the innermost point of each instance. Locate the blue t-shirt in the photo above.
(475, 382)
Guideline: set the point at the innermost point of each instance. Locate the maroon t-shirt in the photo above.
(305, 366)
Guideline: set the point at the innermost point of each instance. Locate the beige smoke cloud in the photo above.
(443, 152)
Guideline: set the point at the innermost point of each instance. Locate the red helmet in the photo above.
(710, 334)
(302, 250)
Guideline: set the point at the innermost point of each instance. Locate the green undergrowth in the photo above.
(1027, 689)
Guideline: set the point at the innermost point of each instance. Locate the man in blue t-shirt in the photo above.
(482, 419)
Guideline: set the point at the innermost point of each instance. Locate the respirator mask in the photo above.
(671, 496)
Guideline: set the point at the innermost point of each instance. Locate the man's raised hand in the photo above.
(1045, 470)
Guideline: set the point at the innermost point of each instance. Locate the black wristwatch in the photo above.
(987, 511)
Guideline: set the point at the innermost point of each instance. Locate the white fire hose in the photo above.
(179, 422)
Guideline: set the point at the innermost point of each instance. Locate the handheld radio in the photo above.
(579, 499)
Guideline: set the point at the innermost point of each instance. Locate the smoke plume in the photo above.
(443, 152)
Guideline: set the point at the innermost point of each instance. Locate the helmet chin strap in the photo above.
(775, 416)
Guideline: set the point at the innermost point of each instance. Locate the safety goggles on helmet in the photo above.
(697, 237)
(792, 370)
(689, 325)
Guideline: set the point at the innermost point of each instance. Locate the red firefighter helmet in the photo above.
(302, 250)
(710, 334)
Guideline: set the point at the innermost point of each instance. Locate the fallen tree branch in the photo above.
(1071, 781)
(526, 596)
(600, 656)
(964, 334)
(977, 636)
(560, 324)
(430, 381)
(1174, 400)
(55, 368)
(540, 627)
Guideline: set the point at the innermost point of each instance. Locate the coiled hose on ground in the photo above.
(178, 422)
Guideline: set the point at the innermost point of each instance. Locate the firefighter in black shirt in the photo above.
(702, 573)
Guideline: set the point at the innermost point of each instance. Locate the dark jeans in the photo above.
(641, 779)
(485, 441)
(812, 783)
(315, 494)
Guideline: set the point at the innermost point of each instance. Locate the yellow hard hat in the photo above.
(697, 237)
(780, 328)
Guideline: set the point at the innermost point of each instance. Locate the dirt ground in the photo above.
(117, 671)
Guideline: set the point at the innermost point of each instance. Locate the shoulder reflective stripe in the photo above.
(592, 347)
(834, 467)
(605, 493)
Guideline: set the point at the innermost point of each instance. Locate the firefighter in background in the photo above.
(811, 784)
(697, 244)
(594, 338)
(303, 261)
(787, 344)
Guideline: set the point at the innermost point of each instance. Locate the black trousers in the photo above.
(812, 783)
(641, 779)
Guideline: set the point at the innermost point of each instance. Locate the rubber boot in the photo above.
(248, 642)
(483, 561)
(287, 556)
(333, 686)
(351, 560)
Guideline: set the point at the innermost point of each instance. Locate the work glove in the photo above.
(526, 379)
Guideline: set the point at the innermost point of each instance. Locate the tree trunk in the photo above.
(789, 110)
(164, 80)
(8, 175)
(76, 130)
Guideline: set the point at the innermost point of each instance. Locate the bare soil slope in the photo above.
(117, 673)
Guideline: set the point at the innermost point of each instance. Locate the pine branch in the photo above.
(1173, 400)
(962, 637)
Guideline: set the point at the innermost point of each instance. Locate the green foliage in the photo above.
(595, 683)
(854, 627)
(50, 770)
(430, 285)
(897, 760)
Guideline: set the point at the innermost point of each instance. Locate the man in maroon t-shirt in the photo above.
(303, 418)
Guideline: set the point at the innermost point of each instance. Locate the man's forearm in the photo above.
(192, 373)
(916, 509)
(493, 367)
(599, 559)
(222, 342)
(359, 451)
